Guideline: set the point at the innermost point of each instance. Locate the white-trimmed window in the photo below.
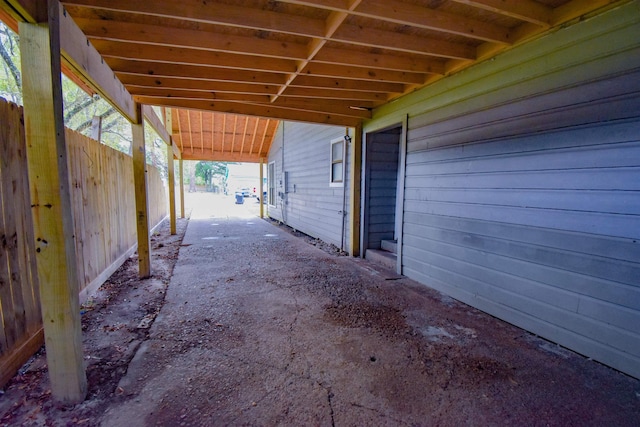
(271, 183)
(336, 174)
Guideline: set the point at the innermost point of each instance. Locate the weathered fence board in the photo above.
(104, 226)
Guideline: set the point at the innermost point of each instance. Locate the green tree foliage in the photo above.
(10, 78)
(207, 172)
(80, 108)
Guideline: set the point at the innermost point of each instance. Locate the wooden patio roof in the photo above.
(205, 135)
(320, 61)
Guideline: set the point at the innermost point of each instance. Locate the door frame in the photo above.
(400, 188)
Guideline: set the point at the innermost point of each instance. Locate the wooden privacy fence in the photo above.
(104, 222)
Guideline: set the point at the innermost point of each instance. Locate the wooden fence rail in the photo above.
(104, 221)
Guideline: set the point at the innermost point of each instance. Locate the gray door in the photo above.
(381, 181)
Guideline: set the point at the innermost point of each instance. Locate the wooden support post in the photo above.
(181, 189)
(355, 175)
(96, 128)
(142, 200)
(51, 207)
(261, 195)
(172, 176)
(172, 190)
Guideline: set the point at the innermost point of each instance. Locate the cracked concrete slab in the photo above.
(261, 328)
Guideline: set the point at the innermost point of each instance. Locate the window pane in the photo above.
(336, 152)
(336, 172)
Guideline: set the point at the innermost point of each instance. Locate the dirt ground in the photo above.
(115, 321)
(257, 324)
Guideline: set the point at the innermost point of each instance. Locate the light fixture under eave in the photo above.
(356, 107)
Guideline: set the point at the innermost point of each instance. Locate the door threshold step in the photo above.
(382, 258)
(389, 246)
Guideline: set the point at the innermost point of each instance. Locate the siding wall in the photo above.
(311, 206)
(382, 156)
(522, 192)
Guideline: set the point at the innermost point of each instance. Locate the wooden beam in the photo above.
(269, 111)
(172, 175)
(147, 92)
(157, 125)
(195, 72)
(355, 176)
(86, 62)
(361, 73)
(218, 156)
(386, 61)
(227, 14)
(51, 206)
(190, 56)
(100, 29)
(134, 81)
(141, 197)
(525, 10)
(368, 36)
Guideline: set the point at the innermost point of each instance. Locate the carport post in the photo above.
(51, 206)
(261, 194)
(181, 189)
(172, 175)
(355, 175)
(142, 202)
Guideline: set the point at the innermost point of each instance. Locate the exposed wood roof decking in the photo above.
(204, 135)
(323, 61)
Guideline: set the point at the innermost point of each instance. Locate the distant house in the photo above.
(513, 186)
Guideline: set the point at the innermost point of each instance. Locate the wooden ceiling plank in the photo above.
(403, 42)
(333, 83)
(244, 134)
(577, 8)
(264, 137)
(125, 50)
(415, 64)
(332, 23)
(213, 127)
(180, 113)
(417, 16)
(325, 93)
(195, 72)
(131, 32)
(189, 131)
(215, 13)
(269, 111)
(187, 84)
(234, 133)
(427, 18)
(255, 134)
(196, 94)
(201, 132)
(359, 73)
(224, 132)
(525, 10)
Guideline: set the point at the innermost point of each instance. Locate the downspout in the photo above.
(347, 141)
(283, 194)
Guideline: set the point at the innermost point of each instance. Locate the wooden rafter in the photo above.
(321, 61)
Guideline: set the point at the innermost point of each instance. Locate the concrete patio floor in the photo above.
(261, 328)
